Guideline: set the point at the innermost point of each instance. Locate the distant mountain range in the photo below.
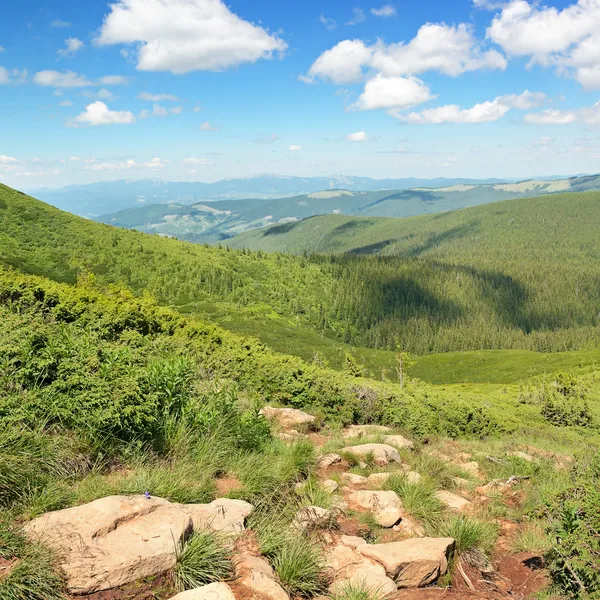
(220, 220)
(91, 200)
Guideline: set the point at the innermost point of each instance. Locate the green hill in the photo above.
(491, 277)
(203, 221)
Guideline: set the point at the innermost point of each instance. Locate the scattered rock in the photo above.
(399, 441)
(291, 435)
(312, 517)
(213, 591)
(327, 460)
(472, 468)
(382, 454)
(288, 418)
(460, 482)
(496, 486)
(225, 515)
(352, 540)
(413, 477)
(409, 527)
(330, 485)
(452, 501)
(378, 479)
(463, 456)
(257, 576)
(354, 431)
(119, 539)
(385, 506)
(354, 479)
(348, 566)
(412, 563)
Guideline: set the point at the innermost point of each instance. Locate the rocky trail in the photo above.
(126, 547)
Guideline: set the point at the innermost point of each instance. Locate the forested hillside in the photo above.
(539, 292)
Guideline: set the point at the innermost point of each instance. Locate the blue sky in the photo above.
(202, 90)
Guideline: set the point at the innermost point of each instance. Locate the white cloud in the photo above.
(392, 92)
(36, 173)
(67, 79)
(58, 24)
(588, 116)
(359, 136)
(484, 112)
(490, 4)
(14, 76)
(161, 111)
(265, 139)
(193, 160)
(72, 46)
(197, 108)
(358, 16)
(295, 148)
(2, 49)
(5, 160)
(155, 163)
(157, 97)
(113, 80)
(567, 39)
(186, 35)
(176, 110)
(386, 11)
(98, 113)
(66, 103)
(102, 94)
(330, 24)
(120, 166)
(448, 49)
(206, 126)
(74, 158)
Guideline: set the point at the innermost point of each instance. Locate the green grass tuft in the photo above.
(417, 498)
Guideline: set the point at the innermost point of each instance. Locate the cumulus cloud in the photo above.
(161, 111)
(358, 16)
(157, 97)
(113, 80)
(118, 166)
(70, 79)
(358, 136)
(448, 49)
(392, 92)
(186, 35)
(588, 116)
(295, 148)
(72, 46)
(483, 112)
(567, 39)
(386, 11)
(98, 113)
(6, 160)
(155, 163)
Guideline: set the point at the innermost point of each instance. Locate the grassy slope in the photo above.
(241, 292)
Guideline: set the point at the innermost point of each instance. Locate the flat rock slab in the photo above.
(382, 454)
(353, 431)
(399, 441)
(330, 485)
(353, 479)
(119, 539)
(287, 418)
(311, 517)
(412, 563)
(378, 479)
(347, 566)
(453, 501)
(386, 507)
(327, 460)
(213, 591)
(258, 577)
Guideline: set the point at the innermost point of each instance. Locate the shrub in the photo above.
(356, 591)
(470, 534)
(417, 498)
(204, 558)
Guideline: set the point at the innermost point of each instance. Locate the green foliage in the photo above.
(31, 571)
(300, 567)
(356, 591)
(202, 559)
(469, 534)
(573, 526)
(417, 498)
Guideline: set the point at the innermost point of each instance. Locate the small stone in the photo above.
(327, 460)
(352, 540)
(330, 485)
(288, 418)
(257, 575)
(312, 516)
(354, 479)
(413, 477)
(460, 482)
(472, 468)
(213, 591)
(382, 454)
(386, 506)
(354, 431)
(378, 479)
(522, 455)
(399, 441)
(453, 501)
